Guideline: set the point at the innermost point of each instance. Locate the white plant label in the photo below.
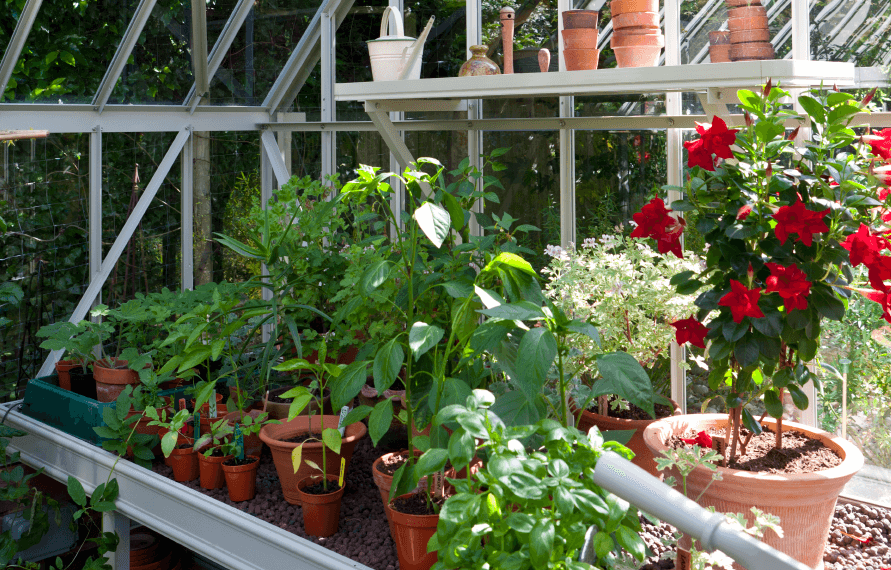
(343, 414)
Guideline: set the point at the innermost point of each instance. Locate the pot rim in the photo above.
(358, 428)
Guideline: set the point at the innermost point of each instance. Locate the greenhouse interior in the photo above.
(566, 285)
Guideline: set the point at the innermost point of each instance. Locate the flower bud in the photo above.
(835, 87)
(767, 87)
(749, 121)
(882, 173)
(750, 273)
(794, 133)
(743, 212)
(868, 97)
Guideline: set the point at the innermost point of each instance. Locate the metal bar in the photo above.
(187, 216)
(95, 220)
(801, 44)
(222, 45)
(328, 107)
(475, 137)
(199, 45)
(266, 184)
(143, 11)
(17, 41)
(270, 147)
(121, 242)
(391, 137)
(211, 528)
(397, 114)
(113, 521)
(567, 150)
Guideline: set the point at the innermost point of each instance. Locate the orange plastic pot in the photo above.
(242, 479)
(210, 472)
(411, 535)
(321, 513)
(184, 463)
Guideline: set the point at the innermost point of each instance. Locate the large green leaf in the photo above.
(332, 439)
(348, 384)
(375, 276)
(379, 420)
(536, 354)
(623, 376)
(520, 311)
(434, 221)
(541, 542)
(828, 305)
(422, 337)
(515, 409)
(387, 363)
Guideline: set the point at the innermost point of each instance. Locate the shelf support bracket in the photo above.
(113, 521)
(394, 142)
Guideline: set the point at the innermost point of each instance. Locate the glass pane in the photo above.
(850, 30)
(699, 17)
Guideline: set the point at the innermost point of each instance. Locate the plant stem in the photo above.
(778, 444)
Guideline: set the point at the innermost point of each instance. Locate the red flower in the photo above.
(702, 439)
(717, 138)
(698, 155)
(791, 283)
(743, 302)
(880, 143)
(670, 239)
(883, 298)
(797, 219)
(864, 247)
(743, 212)
(879, 272)
(690, 330)
(652, 220)
(884, 193)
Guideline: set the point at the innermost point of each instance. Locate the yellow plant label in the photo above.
(342, 468)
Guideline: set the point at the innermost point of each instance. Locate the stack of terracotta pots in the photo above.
(580, 39)
(719, 46)
(637, 37)
(749, 33)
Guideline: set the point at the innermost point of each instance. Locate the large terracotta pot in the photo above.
(253, 445)
(805, 503)
(274, 436)
(643, 457)
(411, 535)
(111, 381)
(321, 513)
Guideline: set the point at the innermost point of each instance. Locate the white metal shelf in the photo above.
(786, 72)
(204, 525)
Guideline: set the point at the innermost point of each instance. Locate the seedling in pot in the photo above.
(76, 339)
(121, 432)
(174, 423)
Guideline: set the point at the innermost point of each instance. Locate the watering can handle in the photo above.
(388, 11)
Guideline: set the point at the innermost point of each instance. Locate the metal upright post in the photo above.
(328, 29)
(267, 178)
(397, 198)
(187, 279)
(95, 219)
(113, 521)
(567, 150)
(475, 143)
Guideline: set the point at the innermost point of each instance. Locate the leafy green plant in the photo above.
(531, 508)
(76, 339)
(174, 423)
(121, 434)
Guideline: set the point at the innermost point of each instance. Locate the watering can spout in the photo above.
(411, 53)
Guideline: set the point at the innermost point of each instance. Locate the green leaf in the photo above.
(434, 221)
(520, 311)
(813, 108)
(746, 351)
(750, 422)
(168, 442)
(67, 58)
(536, 354)
(520, 522)
(625, 377)
(357, 415)
(432, 461)
(515, 409)
(461, 448)
(826, 303)
(631, 542)
(456, 213)
(331, 438)
(76, 492)
(773, 404)
(541, 542)
(586, 329)
(348, 384)
(380, 419)
(375, 276)
(799, 398)
(387, 363)
(603, 544)
(422, 337)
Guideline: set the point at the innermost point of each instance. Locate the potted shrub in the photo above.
(78, 341)
(210, 454)
(783, 233)
(129, 331)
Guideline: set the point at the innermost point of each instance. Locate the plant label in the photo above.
(182, 404)
(342, 469)
(212, 405)
(683, 560)
(196, 423)
(239, 442)
(718, 444)
(343, 414)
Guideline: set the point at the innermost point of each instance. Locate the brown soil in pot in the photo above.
(234, 462)
(416, 504)
(633, 412)
(390, 465)
(319, 488)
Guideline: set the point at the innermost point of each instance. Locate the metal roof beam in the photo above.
(17, 42)
(199, 45)
(113, 73)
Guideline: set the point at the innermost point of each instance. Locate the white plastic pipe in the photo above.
(621, 477)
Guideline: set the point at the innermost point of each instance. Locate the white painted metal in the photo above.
(801, 45)
(791, 73)
(95, 218)
(187, 204)
(328, 108)
(17, 41)
(442, 105)
(567, 150)
(116, 522)
(121, 242)
(267, 179)
(224, 534)
(871, 76)
(224, 41)
(270, 147)
(475, 137)
(199, 46)
(130, 118)
(285, 140)
(140, 17)
(390, 135)
(397, 114)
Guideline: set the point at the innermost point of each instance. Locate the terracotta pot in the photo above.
(579, 59)
(210, 472)
(747, 36)
(274, 436)
(321, 513)
(411, 534)
(580, 38)
(751, 51)
(719, 37)
(63, 368)
(384, 482)
(804, 502)
(242, 479)
(184, 463)
(654, 40)
(279, 411)
(253, 445)
(574, 19)
(206, 422)
(643, 458)
(110, 382)
(143, 427)
(754, 23)
(736, 3)
(719, 53)
(747, 12)
(637, 56)
(173, 384)
(635, 19)
(623, 6)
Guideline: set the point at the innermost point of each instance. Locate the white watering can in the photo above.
(397, 56)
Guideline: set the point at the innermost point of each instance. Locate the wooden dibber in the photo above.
(507, 38)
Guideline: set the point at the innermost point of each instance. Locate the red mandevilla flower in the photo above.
(690, 330)
(743, 212)
(864, 247)
(698, 155)
(717, 138)
(743, 302)
(791, 283)
(880, 143)
(797, 219)
(651, 220)
(670, 239)
(702, 439)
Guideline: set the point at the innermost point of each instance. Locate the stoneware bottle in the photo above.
(478, 64)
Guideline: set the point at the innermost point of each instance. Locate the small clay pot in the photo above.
(321, 513)
(751, 51)
(737, 3)
(719, 37)
(623, 6)
(184, 463)
(112, 379)
(747, 36)
(580, 38)
(210, 472)
(753, 23)
(637, 56)
(747, 12)
(411, 537)
(580, 59)
(631, 32)
(574, 19)
(242, 479)
(719, 53)
(635, 19)
(655, 40)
